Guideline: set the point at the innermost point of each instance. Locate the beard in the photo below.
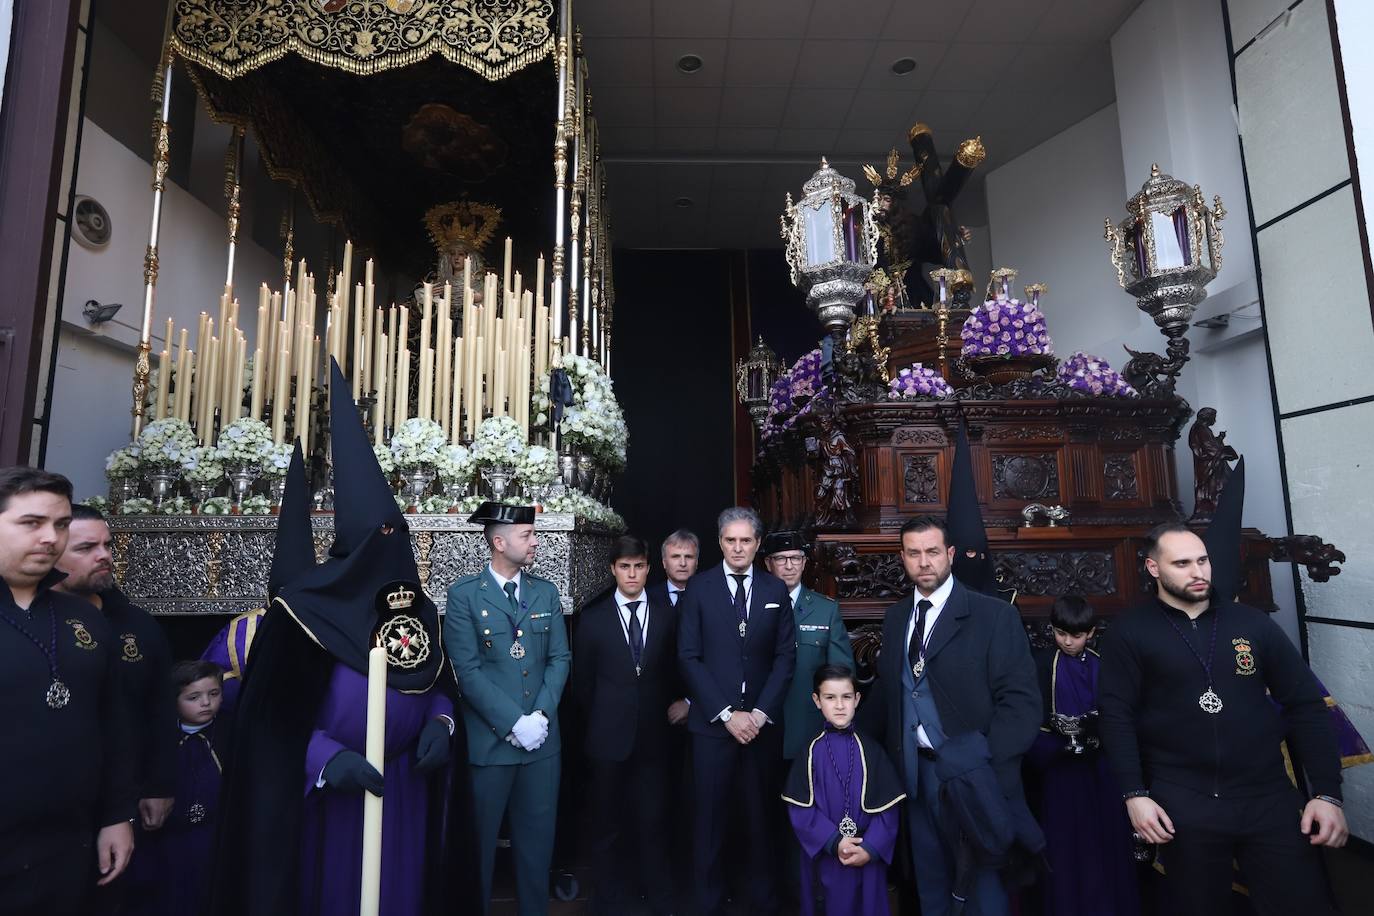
(1183, 594)
(91, 584)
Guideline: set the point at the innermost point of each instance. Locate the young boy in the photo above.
(172, 864)
(842, 796)
(1088, 838)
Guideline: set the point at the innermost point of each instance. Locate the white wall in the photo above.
(92, 390)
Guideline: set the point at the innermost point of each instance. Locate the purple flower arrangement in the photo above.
(918, 382)
(789, 397)
(1006, 327)
(1091, 375)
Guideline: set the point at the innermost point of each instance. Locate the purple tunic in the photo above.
(848, 891)
(332, 826)
(170, 872)
(1087, 833)
(229, 649)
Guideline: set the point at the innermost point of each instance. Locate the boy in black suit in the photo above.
(625, 679)
(737, 648)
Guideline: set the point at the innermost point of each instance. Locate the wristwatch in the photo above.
(1136, 793)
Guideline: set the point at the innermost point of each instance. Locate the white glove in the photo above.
(530, 731)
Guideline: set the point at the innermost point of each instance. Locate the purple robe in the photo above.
(229, 649)
(1087, 833)
(847, 891)
(332, 826)
(169, 874)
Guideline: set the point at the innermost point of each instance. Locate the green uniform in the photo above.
(821, 640)
(482, 631)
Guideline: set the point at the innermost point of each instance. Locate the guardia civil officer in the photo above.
(67, 791)
(504, 633)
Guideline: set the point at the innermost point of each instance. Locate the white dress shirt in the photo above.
(937, 601)
(674, 594)
(794, 595)
(621, 603)
(502, 580)
(734, 585)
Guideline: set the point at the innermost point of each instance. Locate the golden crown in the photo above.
(400, 599)
(462, 224)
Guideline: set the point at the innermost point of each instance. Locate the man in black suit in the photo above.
(737, 647)
(953, 661)
(681, 549)
(625, 679)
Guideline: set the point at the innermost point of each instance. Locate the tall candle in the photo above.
(480, 391)
(375, 746)
(164, 371)
(455, 419)
(379, 413)
(255, 399)
(183, 401)
(359, 348)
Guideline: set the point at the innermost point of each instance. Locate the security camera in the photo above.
(96, 313)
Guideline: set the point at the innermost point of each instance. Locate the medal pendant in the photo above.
(743, 628)
(58, 695)
(848, 827)
(196, 813)
(1210, 702)
(517, 651)
(919, 668)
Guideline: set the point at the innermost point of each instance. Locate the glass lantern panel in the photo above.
(1208, 255)
(1135, 237)
(1180, 219)
(853, 233)
(819, 227)
(1168, 253)
(755, 383)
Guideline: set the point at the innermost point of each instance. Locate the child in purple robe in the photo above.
(1088, 836)
(170, 870)
(842, 799)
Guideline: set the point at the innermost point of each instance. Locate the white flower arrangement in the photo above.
(256, 505)
(98, 503)
(123, 462)
(401, 502)
(176, 505)
(139, 505)
(275, 459)
(537, 466)
(202, 465)
(242, 441)
(455, 464)
(594, 422)
(216, 505)
(434, 505)
(417, 444)
(578, 503)
(163, 443)
(499, 442)
(384, 459)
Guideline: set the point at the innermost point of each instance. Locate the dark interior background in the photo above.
(676, 339)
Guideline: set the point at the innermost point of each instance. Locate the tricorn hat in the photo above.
(490, 513)
(779, 541)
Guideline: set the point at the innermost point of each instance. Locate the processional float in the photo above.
(420, 134)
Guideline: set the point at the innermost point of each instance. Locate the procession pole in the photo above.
(162, 94)
(233, 178)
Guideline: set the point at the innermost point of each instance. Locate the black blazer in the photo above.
(624, 713)
(982, 677)
(715, 660)
(658, 591)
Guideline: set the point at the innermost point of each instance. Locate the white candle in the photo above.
(370, 898)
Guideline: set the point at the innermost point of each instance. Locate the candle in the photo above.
(479, 390)
(379, 409)
(167, 338)
(207, 396)
(505, 268)
(255, 398)
(279, 396)
(164, 366)
(403, 389)
(455, 419)
(375, 746)
(498, 400)
(345, 282)
(183, 401)
(359, 347)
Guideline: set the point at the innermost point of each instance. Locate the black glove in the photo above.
(349, 771)
(432, 751)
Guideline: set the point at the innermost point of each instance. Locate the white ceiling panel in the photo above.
(668, 51)
(849, 19)
(618, 61)
(880, 109)
(694, 19)
(753, 107)
(810, 107)
(925, 20)
(628, 106)
(685, 139)
(816, 141)
(770, 18)
(833, 63)
(1085, 20)
(684, 107)
(927, 55)
(973, 67)
(761, 61)
(1002, 20)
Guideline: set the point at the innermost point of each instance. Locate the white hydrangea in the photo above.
(455, 464)
(123, 462)
(202, 465)
(537, 466)
(275, 459)
(164, 443)
(417, 443)
(243, 441)
(499, 442)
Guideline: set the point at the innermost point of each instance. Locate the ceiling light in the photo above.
(904, 65)
(684, 203)
(689, 63)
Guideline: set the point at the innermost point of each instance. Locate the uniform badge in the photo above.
(131, 652)
(404, 637)
(196, 813)
(84, 640)
(517, 651)
(1245, 659)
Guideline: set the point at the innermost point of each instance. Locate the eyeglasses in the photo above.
(788, 561)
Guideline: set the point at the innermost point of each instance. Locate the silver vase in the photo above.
(567, 470)
(455, 491)
(276, 489)
(241, 479)
(201, 491)
(416, 482)
(497, 480)
(160, 482)
(586, 473)
(122, 488)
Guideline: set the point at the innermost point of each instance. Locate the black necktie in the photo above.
(741, 604)
(673, 596)
(916, 649)
(636, 632)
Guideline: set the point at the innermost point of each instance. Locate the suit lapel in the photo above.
(896, 636)
(950, 620)
(653, 637)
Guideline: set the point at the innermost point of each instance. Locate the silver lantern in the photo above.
(1165, 253)
(831, 246)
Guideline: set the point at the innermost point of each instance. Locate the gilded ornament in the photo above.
(150, 266)
(462, 224)
(162, 154)
(142, 372)
(971, 153)
(920, 127)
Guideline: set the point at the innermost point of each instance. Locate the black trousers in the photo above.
(1278, 864)
(47, 872)
(629, 841)
(737, 796)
